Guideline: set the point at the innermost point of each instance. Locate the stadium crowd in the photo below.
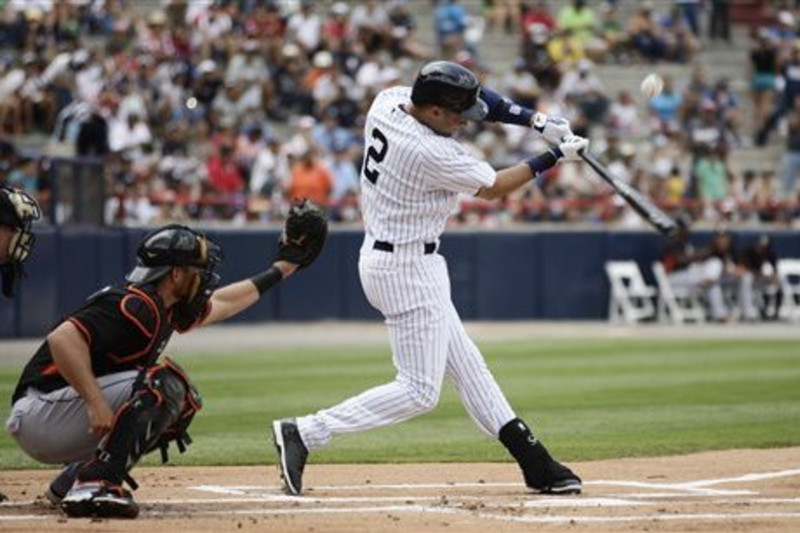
(227, 109)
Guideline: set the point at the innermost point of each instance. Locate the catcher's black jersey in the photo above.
(125, 327)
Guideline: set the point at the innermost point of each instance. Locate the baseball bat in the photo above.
(649, 211)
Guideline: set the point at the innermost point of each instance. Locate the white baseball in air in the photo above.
(652, 85)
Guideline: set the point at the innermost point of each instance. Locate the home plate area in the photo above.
(631, 501)
(717, 491)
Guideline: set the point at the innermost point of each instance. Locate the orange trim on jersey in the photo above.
(84, 331)
(149, 301)
(132, 318)
(50, 370)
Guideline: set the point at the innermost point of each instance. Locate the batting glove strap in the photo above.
(544, 161)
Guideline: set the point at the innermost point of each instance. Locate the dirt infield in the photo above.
(741, 490)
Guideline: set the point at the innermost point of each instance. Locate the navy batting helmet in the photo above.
(451, 86)
(173, 246)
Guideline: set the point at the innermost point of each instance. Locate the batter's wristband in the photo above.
(265, 280)
(544, 161)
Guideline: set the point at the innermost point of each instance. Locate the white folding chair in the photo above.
(789, 275)
(677, 304)
(631, 299)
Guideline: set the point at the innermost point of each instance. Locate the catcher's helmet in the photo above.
(451, 86)
(173, 246)
(18, 210)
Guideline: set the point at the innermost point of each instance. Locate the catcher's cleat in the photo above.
(99, 499)
(292, 454)
(552, 478)
(61, 484)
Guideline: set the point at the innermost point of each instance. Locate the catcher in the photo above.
(18, 211)
(94, 396)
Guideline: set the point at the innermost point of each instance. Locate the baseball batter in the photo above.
(413, 171)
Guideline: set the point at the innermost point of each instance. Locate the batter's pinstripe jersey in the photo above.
(411, 175)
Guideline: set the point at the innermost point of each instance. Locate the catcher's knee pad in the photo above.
(163, 405)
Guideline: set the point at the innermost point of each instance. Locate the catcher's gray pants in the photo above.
(53, 427)
(428, 340)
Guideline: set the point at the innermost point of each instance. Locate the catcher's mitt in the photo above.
(303, 234)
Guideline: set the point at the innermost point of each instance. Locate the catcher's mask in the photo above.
(18, 210)
(174, 246)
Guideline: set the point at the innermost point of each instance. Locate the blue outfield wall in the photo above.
(514, 275)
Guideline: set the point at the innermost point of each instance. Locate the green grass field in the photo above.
(587, 399)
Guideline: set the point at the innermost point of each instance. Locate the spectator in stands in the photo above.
(612, 32)
(206, 85)
(292, 97)
(579, 19)
(304, 27)
(501, 14)
(402, 27)
(344, 173)
(689, 11)
(763, 74)
(223, 174)
(311, 180)
(11, 80)
(713, 180)
(784, 30)
(729, 113)
(521, 85)
(249, 142)
(745, 193)
(681, 42)
(675, 187)
(790, 70)
(371, 23)
(623, 115)
(533, 15)
(25, 175)
(665, 107)
(565, 49)
(791, 158)
(328, 134)
(270, 174)
(337, 28)
(450, 25)
(538, 59)
(759, 281)
(129, 134)
(719, 20)
(646, 36)
(706, 132)
(248, 68)
(584, 87)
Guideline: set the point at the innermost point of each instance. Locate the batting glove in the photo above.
(572, 147)
(553, 129)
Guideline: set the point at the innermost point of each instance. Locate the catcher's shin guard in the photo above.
(161, 409)
(542, 473)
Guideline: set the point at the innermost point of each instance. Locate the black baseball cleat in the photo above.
(292, 454)
(61, 484)
(99, 499)
(551, 477)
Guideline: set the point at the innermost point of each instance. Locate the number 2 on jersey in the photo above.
(376, 152)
